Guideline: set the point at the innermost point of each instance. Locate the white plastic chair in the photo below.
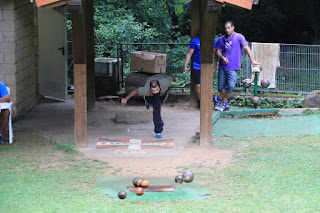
(6, 105)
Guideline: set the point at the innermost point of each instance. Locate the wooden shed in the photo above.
(32, 59)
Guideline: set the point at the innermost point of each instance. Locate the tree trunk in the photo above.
(314, 6)
(174, 18)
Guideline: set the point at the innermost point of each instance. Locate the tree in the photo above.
(314, 6)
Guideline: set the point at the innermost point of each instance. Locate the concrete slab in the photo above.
(55, 120)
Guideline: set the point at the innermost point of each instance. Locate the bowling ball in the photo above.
(256, 69)
(255, 99)
(187, 178)
(187, 173)
(122, 194)
(138, 183)
(144, 183)
(246, 84)
(139, 191)
(179, 179)
(134, 181)
(265, 83)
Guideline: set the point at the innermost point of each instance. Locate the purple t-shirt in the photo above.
(231, 48)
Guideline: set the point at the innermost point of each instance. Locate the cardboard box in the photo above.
(148, 62)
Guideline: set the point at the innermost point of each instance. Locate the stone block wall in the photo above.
(18, 53)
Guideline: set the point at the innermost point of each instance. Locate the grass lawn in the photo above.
(269, 174)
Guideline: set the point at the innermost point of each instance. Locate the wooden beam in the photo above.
(40, 3)
(89, 11)
(208, 23)
(80, 79)
(247, 4)
(195, 27)
(80, 105)
(75, 6)
(56, 4)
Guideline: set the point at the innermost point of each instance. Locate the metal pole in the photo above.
(255, 88)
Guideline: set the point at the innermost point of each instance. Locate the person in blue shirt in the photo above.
(194, 48)
(4, 114)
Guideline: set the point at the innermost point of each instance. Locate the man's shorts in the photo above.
(227, 80)
(197, 76)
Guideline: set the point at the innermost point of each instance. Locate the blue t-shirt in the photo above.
(3, 90)
(195, 45)
(231, 48)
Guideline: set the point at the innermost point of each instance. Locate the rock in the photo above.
(312, 100)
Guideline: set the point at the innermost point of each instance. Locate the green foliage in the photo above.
(183, 80)
(311, 112)
(114, 25)
(267, 102)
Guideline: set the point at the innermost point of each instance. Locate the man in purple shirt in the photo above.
(229, 50)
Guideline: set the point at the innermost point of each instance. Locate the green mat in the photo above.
(185, 191)
(255, 127)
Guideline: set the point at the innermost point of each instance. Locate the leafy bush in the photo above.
(266, 102)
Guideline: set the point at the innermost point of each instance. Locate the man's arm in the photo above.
(131, 94)
(249, 52)
(224, 59)
(5, 98)
(187, 59)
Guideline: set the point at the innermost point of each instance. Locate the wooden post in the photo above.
(208, 22)
(80, 78)
(195, 26)
(89, 11)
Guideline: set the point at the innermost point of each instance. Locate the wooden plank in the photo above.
(80, 79)
(247, 4)
(163, 188)
(195, 27)
(56, 4)
(89, 10)
(208, 22)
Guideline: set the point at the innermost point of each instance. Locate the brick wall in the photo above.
(18, 53)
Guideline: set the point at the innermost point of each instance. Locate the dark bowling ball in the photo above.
(122, 194)
(139, 191)
(134, 181)
(246, 84)
(138, 183)
(255, 99)
(179, 179)
(265, 83)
